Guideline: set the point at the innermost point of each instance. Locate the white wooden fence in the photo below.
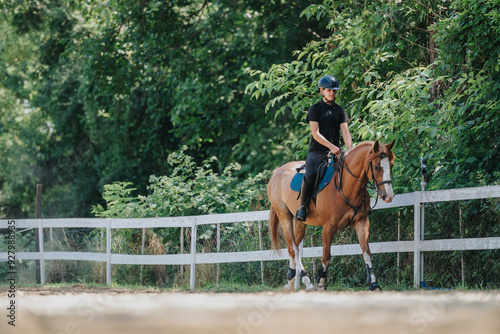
(417, 246)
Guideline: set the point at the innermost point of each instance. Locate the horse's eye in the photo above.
(377, 167)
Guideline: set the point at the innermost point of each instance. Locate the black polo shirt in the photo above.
(329, 119)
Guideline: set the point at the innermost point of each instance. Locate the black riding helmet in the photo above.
(329, 81)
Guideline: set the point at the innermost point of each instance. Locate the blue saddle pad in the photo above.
(296, 183)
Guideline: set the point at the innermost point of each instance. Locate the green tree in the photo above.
(22, 127)
(118, 85)
(449, 111)
(424, 74)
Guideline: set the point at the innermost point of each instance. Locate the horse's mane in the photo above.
(367, 145)
(363, 145)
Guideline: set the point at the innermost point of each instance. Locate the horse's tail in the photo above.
(274, 223)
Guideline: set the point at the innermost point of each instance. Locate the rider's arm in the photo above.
(346, 135)
(321, 139)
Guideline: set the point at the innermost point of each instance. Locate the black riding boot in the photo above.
(305, 195)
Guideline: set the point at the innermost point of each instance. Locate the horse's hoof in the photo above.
(290, 286)
(374, 286)
(311, 288)
(321, 288)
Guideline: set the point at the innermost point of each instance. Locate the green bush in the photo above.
(189, 190)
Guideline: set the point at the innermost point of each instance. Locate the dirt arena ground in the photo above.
(82, 310)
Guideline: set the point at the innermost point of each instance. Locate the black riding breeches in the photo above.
(313, 161)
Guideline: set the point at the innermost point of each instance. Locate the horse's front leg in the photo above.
(321, 273)
(327, 237)
(362, 228)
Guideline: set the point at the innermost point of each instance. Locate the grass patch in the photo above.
(231, 287)
(222, 287)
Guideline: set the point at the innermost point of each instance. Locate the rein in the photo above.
(371, 184)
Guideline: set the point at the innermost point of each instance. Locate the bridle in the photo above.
(373, 181)
(370, 184)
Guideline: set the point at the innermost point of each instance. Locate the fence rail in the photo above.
(417, 246)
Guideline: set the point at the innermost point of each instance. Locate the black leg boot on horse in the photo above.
(306, 192)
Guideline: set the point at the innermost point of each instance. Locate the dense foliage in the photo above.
(425, 74)
(189, 190)
(104, 91)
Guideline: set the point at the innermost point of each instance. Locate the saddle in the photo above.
(324, 175)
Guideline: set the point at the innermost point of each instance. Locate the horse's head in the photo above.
(380, 162)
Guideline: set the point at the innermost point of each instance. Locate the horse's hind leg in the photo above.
(292, 235)
(286, 224)
(299, 232)
(362, 228)
(290, 276)
(303, 275)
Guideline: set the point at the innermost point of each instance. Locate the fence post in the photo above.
(108, 252)
(192, 273)
(143, 244)
(38, 215)
(416, 239)
(101, 272)
(261, 247)
(181, 240)
(398, 256)
(218, 250)
(461, 236)
(423, 184)
(41, 250)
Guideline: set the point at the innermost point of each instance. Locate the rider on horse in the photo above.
(326, 119)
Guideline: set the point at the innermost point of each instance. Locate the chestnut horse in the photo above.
(343, 202)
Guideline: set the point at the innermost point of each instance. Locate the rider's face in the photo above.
(328, 93)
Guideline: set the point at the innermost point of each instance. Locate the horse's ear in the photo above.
(390, 146)
(376, 146)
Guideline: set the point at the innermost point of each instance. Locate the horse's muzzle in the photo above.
(385, 193)
(386, 198)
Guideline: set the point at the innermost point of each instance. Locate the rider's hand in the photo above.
(335, 150)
